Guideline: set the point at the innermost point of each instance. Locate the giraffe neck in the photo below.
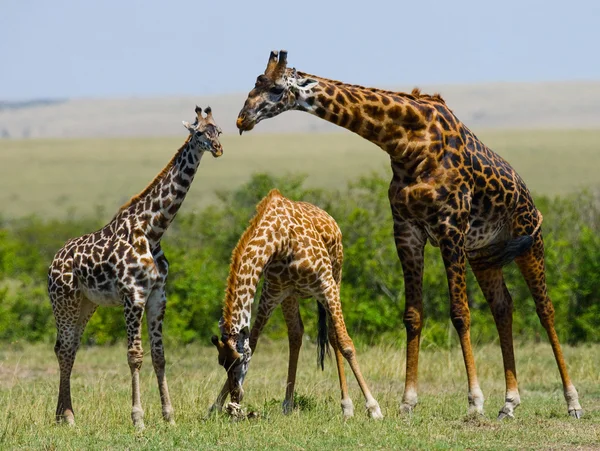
(394, 121)
(156, 206)
(257, 245)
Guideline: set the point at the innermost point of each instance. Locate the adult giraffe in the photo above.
(123, 264)
(448, 187)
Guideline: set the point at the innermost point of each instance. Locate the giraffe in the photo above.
(447, 187)
(123, 264)
(297, 247)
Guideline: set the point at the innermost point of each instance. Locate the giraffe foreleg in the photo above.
(498, 297)
(410, 245)
(134, 304)
(454, 257)
(266, 306)
(293, 321)
(155, 311)
(531, 265)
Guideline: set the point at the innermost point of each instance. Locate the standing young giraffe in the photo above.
(298, 248)
(123, 264)
(448, 187)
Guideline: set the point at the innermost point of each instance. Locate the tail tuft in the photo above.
(499, 254)
(322, 337)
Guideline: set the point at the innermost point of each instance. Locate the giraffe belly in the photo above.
(482, 235)
(108, 297)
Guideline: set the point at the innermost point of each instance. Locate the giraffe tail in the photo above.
(322, 337)
(499, 254)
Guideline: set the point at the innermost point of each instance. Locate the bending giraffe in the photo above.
(298, 249)
(123, 264)
(447, 187)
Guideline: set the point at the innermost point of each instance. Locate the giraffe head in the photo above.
(204, 132)
(277, 90)
(234, 356)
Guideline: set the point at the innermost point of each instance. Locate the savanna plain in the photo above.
(78, 178)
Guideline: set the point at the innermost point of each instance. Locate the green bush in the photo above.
(199, 247)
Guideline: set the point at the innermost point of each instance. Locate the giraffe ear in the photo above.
(187, 125)
(306, 83)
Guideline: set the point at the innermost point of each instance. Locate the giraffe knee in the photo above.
(461, 319)
(412, 321)
(347, 350)
(158, 359)
(135, 358)
(545, 311)
(296, 333)
(501, 309)
(63, 349)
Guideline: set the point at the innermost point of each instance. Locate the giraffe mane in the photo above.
(154, 182)
(416, 93)
(238, 252)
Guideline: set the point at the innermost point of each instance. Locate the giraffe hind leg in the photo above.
(498, 297)
(155, 309)
(293, 320)
(531, 265)
(70, 323)
(331, 301)
(346, 402)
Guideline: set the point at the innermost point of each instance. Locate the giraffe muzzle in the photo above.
(217, 152)
(244, 124)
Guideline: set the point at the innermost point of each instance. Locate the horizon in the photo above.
(54, 100)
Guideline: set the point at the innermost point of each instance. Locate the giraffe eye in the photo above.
(276, 90)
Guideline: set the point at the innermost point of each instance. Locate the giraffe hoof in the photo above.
(139, 426)
(374, 410)
(475, 411)
(502, 415)
(68, 420)
(406, 408)
(214, 409)
(287, 407)
(576, 413)
(168, 417)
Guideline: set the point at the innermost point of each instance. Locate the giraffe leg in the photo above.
(155, 310)
(410, 244)
(331, 302)
(346, 403)
(533, 269)
(293, 321)
(498, 297)
(70, 329)
(454, 257)
(266, 306)
(134, 305)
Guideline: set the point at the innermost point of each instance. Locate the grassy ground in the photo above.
(56, 177)
(101, 391)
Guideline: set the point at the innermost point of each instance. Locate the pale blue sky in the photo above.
(71, 48)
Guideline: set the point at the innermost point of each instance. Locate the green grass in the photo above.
(57, 177)
(101, 394)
